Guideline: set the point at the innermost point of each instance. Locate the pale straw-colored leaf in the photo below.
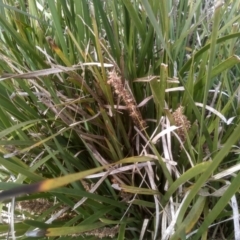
(235, 207)
(150, 175)
(120, 170)
(217, 193)
(174, 89)
(92, 190)
(164, 132)
(215, 112)
(144, 228)
(228, 172)
(171, 228)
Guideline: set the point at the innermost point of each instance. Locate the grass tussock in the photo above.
(119, 119)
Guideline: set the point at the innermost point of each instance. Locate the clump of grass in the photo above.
(93, 118)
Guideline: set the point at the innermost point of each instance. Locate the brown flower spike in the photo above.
(115, 81)
(181, 121)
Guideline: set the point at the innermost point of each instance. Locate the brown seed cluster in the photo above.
(40, 205)
(35, 206)
(115, 81)
(181, 121)
(103, 232)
